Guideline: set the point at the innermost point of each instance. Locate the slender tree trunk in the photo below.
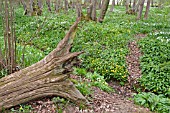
(134, 4)
(8, 60)
(140, 9)
(78, 9)
(103, 10)
(137, 6)
(112, 7)
(89, 11)
(127, 5)
(93, 15)
(147, 9)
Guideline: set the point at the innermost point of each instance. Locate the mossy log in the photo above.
(48, 77)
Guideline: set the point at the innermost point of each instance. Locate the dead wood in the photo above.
(48, 77)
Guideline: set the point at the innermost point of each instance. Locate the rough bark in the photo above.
(112, 7)
(141, 4)
(147, 9)
(48, 77)
(103, 11)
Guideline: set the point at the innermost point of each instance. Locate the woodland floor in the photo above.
(102, 102)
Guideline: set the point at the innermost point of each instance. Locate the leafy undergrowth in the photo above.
(95, 79)
(154, 102)
(105, 47)
(39, 35)
(155, 64)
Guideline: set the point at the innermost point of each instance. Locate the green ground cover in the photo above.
(105, 47)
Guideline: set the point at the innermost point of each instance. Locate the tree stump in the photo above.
(48, 77)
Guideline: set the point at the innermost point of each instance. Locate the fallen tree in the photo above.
(48, 77)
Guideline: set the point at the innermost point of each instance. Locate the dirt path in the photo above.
(102, 102)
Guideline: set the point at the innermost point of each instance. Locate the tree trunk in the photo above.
(147, 9)
(100, 4)
(8, 59)
(127, 5)
(103, 10)
(137, 6)
(134, 4)
(78, 9)
(112, 7)
(141, 4)
(48, 77)
(89, 11)
(93, 15)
